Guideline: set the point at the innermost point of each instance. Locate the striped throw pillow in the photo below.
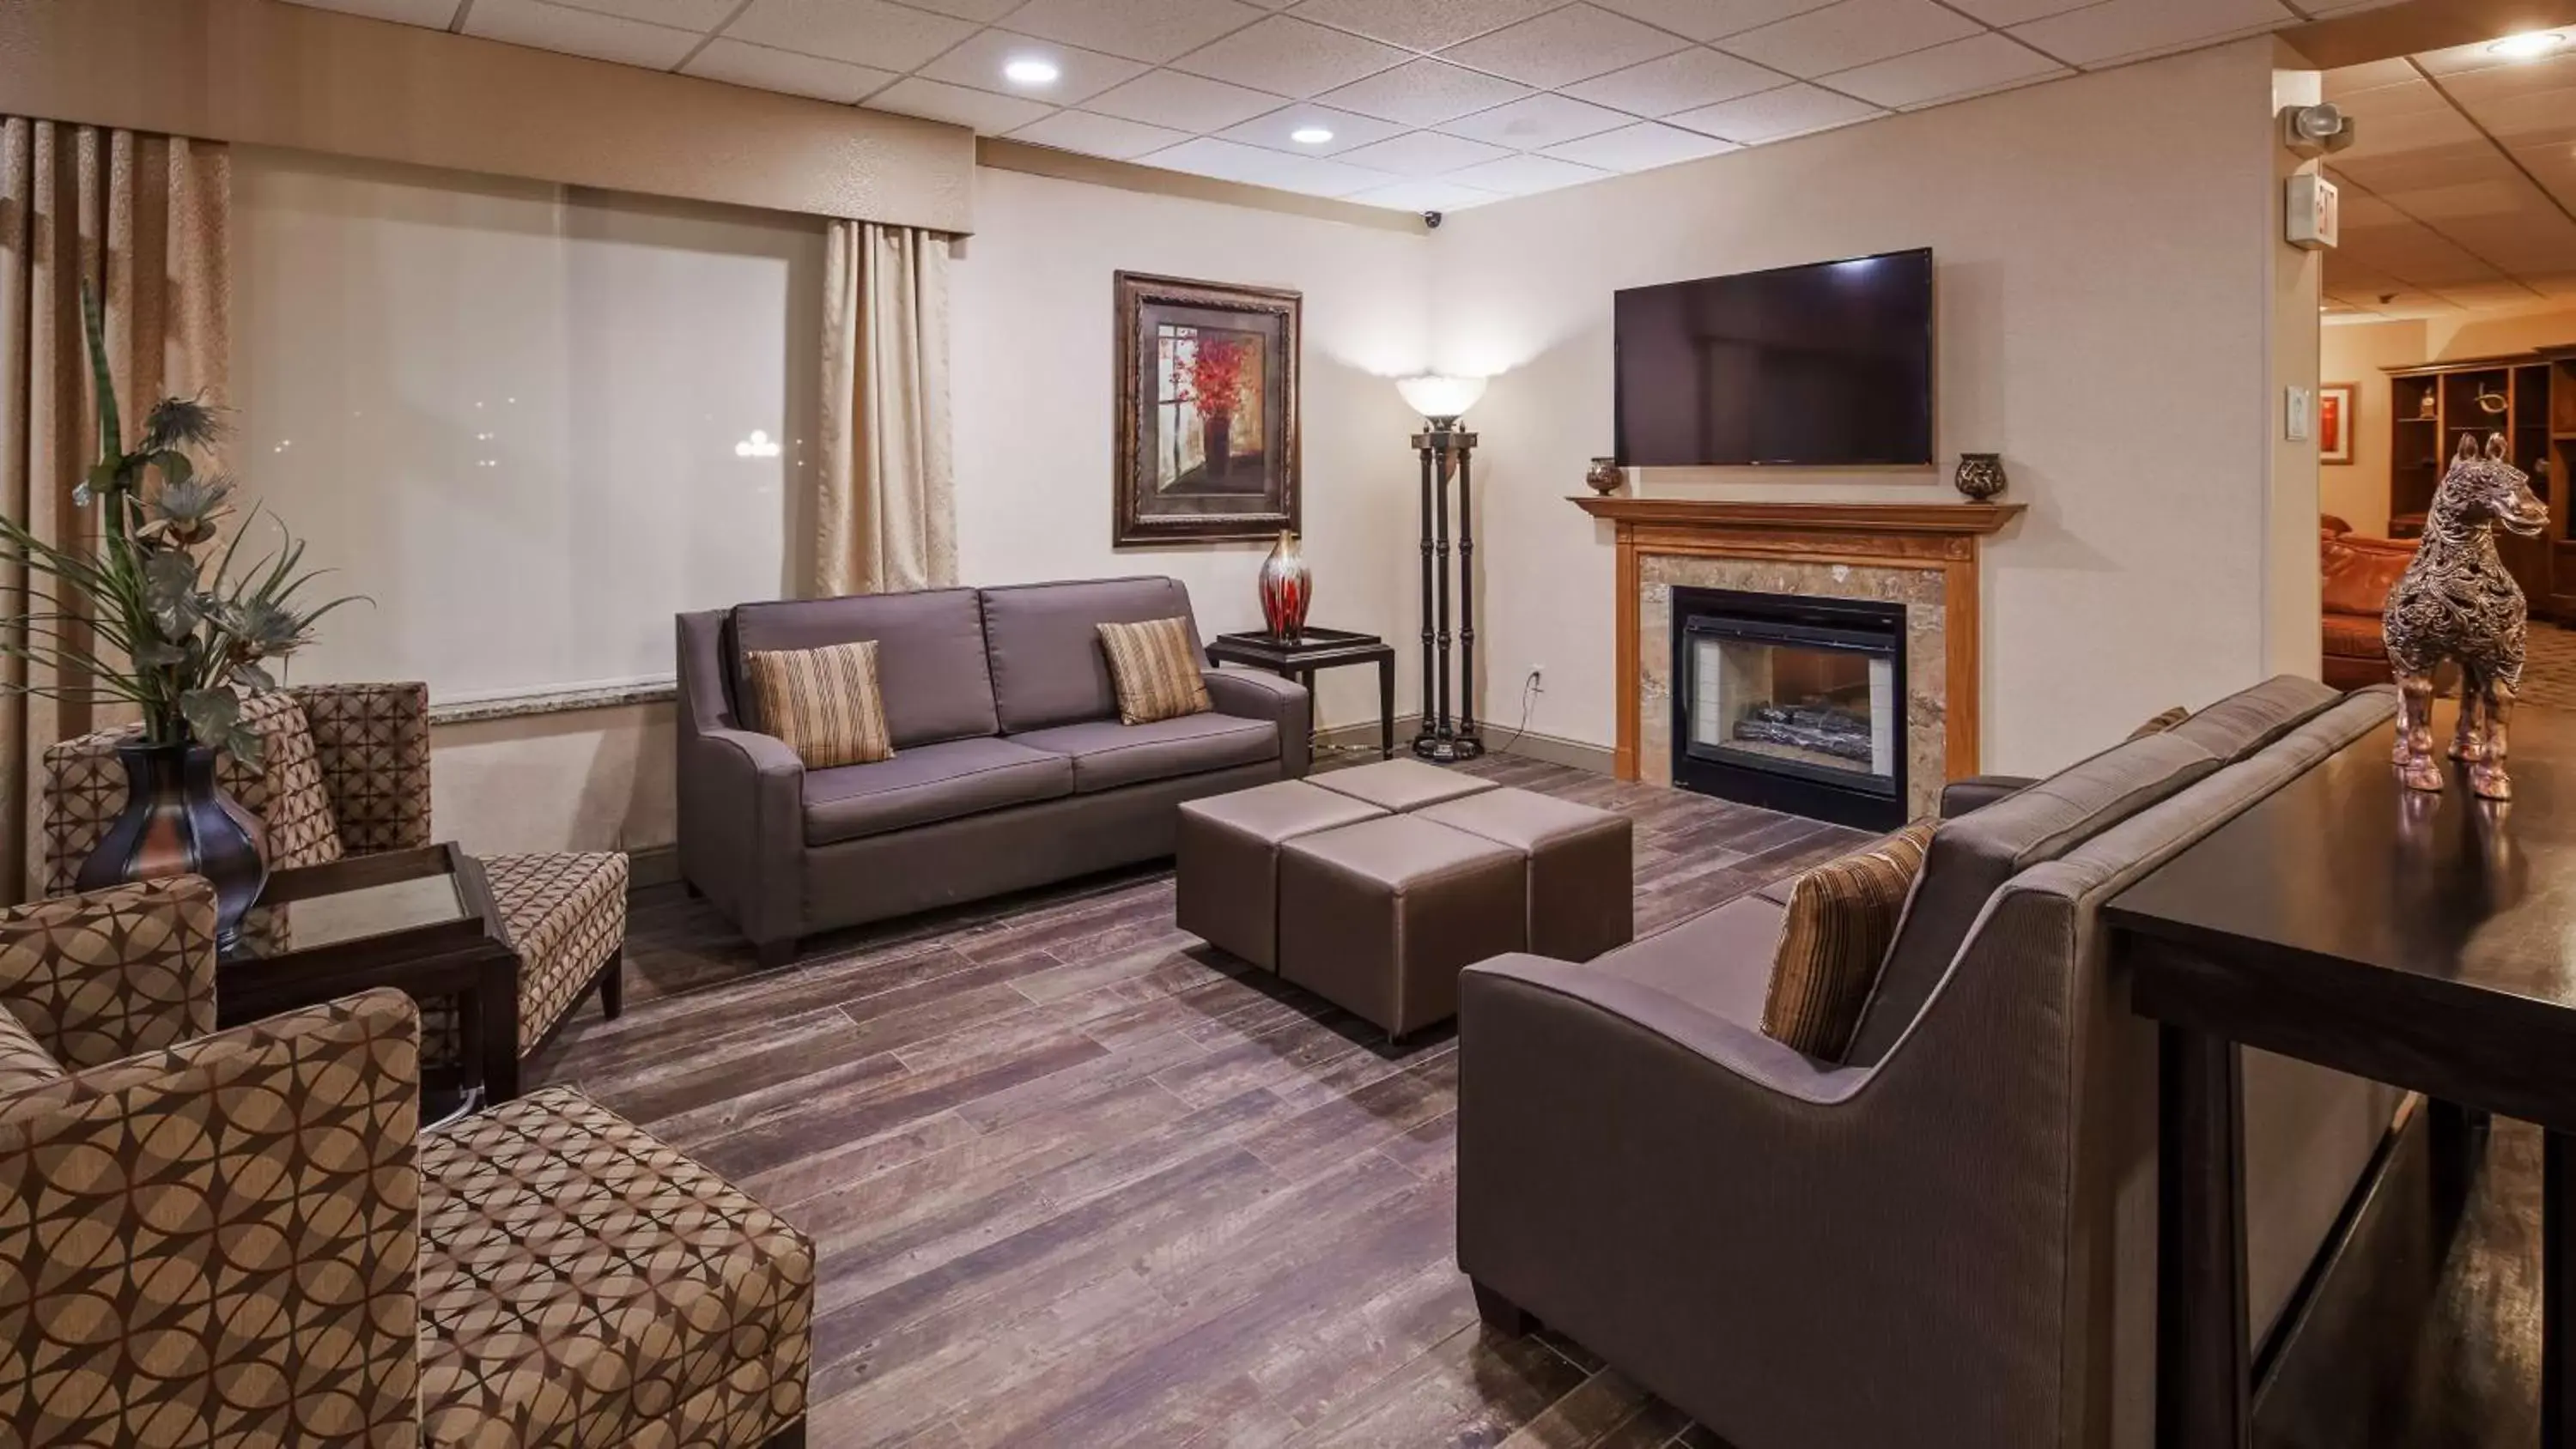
(2160, 722)
(823, 702)
(1156, 668)
(1842, 918)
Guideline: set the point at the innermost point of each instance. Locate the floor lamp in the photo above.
(1444, 448)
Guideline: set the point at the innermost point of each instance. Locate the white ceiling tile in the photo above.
(957, 105)
(1183, 102)
(1426, 153)
(2118, 30)
(435, 14)
(1228, 161)
(580, 32)
(783, 70)
(1522, 175)
(698, 15)
(1423, 93)
(1967, 67)
(1098, 135)
(1080, 74)
(986, 11)
(1287, 55)
(1540, 120)
(1709, 19)
(2014, 12)
(1278, 130)
(1564, 46)
(1421, 24)
(862, 32)
(1425, 196)
(1640, 147)
(1149, 30)
(1853, 33)
(1679, 82)
(1792, 110)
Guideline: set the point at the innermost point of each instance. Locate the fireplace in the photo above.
(1792, 703)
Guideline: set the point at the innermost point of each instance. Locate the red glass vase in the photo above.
(1287, 588)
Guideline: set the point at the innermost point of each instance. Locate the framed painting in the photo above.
(2334, 422)
(1207, 411)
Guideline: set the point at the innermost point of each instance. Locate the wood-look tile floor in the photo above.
(1079, 1179)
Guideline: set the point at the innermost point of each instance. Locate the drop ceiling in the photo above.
(2459, 193)
(1430, 104)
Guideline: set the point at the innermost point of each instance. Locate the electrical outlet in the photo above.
(1537, 682)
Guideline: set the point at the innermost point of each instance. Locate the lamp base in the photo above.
(1448, 749)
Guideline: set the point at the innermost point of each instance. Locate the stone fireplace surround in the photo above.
(1924, 556)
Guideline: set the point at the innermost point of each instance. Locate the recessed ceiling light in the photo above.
(1310, 135)
(1031, 72)
(2529, 45)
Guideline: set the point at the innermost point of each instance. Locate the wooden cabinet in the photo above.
(2531, 399)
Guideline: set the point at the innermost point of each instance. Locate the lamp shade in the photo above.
(1441, 397)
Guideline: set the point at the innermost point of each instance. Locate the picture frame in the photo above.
(1187, 473)
(2336, 402)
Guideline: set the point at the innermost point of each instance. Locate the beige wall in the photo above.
(2291, 583)
(2105, 298)
(2359, 353)
(594, 780)
(1034, 387)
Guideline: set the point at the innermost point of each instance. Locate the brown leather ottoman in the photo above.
(1227, 871)
(1582, 883)
(1380, 917)
(1399, 785)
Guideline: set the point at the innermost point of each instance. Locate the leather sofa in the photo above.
(1949, 1239)
(1011, 768)
(2358, 573)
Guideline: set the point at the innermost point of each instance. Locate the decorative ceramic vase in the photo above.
(1218, 443)
(1981, 475)
(178, 821)
(1287, 588)
(1604, 477)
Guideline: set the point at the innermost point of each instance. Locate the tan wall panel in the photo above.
(283, 75)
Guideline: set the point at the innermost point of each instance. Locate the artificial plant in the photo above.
(185, 636)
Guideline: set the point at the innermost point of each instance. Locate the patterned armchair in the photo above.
(238, 1238)
(347, 773)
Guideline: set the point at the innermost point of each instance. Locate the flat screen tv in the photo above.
(1827, 365)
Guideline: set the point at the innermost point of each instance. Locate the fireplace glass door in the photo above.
(1792, 703)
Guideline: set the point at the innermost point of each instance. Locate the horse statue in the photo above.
(2457, 602)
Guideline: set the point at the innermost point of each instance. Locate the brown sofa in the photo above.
(2359, 571)
(1949, 1239)
(1011, 768)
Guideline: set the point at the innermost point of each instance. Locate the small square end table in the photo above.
(1315, 649)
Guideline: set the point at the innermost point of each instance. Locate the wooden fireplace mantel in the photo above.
(1931, 536)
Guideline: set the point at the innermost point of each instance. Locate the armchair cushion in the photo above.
(565, 915)
(285, 793)
(927, 784)
(1718, 961)
(584, 1286)
(372, 741)
(1107, 754)
(216, 1244)
(24, 1062)
(98, 977)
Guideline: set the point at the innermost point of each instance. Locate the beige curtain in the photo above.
(886, 514)
(142, 220)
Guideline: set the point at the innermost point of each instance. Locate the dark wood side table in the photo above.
(1318, 649)
(419, 920)
(2420, 940)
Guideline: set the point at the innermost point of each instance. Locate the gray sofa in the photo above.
(1949, 1240)
(1011, 768)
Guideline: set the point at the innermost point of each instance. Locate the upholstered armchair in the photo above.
(347, 773)
(239, 1237)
